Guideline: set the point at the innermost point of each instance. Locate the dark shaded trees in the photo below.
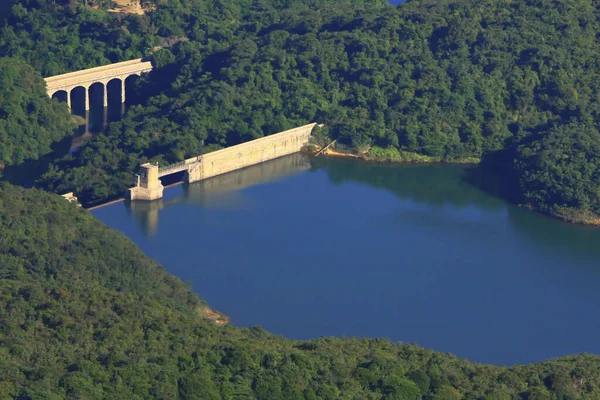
(30, 122)
(558, 171)
(450, 80)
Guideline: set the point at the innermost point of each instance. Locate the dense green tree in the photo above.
(62, 36)
(84, 314)
(449, 80)
(30, 122)
(558, 171)
(421, 379)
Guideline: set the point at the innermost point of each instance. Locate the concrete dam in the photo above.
(149, 186)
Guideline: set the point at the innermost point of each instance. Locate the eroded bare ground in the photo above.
(132, 7)
(214, 316)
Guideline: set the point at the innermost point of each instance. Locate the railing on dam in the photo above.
(179, 166)
(172, 168)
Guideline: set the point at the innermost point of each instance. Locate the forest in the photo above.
(30, 124)
(84, 314)
(513, 84)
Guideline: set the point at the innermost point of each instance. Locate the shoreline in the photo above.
(212, 315)
(328, 153)
(582, 220)
(337, 154)
(92, 208)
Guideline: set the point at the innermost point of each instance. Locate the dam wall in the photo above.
(268, 171)
(149, 186)
(250, 153)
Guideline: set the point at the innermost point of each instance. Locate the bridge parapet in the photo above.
(184, 165)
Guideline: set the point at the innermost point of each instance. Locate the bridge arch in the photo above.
(62, 96)
(115, 89)
(78, 100)
(97, 94)
(129, 83)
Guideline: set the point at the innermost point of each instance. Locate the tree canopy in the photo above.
(447, 79)
(30, 122)
(84, 314)
(59, 36)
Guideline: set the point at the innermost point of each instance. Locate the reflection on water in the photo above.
(440, 195)
(223, 192)
(318, 247)
(434, 184)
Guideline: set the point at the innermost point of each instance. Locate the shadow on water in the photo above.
(439, 186)
(432, 184)
(443, 196)
(500, 183)
(542, 229)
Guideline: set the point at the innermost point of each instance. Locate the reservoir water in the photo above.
(327, 247)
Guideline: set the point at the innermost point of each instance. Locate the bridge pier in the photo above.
(86, 99)
(105, 95)
(148, 186)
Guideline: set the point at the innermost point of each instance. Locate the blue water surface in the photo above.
(311, 248)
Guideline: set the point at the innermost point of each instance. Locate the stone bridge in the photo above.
(149, 186)
(99, 75)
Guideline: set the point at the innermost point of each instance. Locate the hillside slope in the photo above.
(84, 314)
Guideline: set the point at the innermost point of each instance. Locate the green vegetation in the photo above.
(392, 154)
(557, 171)
(30, 122)
(84, 314)
(58, 36)
(446, 80)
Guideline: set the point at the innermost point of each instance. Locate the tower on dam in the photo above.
(148, 186)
